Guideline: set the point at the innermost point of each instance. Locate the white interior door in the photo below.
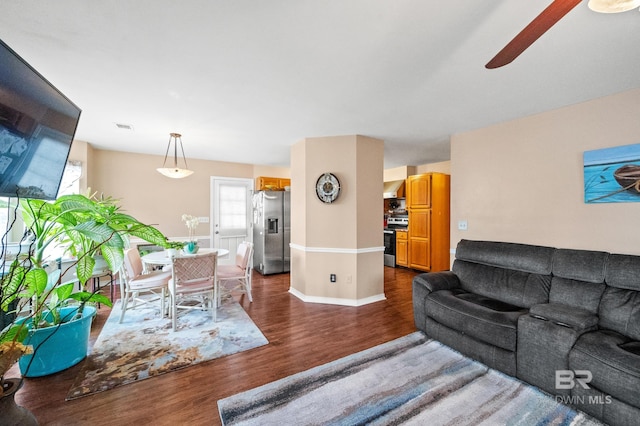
(230, 214)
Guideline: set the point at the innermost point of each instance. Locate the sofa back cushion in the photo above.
(581, 265)
(578, 278)
(577, 294)
(519, 257)
(623, 271)
(620, 305)
(518, 274)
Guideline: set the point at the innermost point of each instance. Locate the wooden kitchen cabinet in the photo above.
(428, 200)
(284, 183)
(265, 183)
(402, 248)
(419, 191)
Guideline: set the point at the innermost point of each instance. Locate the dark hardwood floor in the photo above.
(301, 336)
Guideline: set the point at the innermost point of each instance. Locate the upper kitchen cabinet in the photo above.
(265, 183)
(428, 200)
(419, 191)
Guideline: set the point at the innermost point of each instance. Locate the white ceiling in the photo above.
(243, 80)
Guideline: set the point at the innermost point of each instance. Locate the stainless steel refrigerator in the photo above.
(271, 231)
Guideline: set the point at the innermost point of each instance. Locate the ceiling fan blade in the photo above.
(552, 14)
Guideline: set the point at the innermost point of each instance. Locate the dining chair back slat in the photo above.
(193, 284)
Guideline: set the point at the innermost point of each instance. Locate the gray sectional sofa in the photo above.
(566, 321)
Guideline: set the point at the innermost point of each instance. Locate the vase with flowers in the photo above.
(192, 222)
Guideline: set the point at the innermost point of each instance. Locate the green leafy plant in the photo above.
(174, 245)
(84, 227)
(87, 227)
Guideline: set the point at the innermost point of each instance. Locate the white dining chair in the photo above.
(237, 276)
(193, 284)
(134, 284)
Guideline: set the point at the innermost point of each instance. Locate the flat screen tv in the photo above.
(37, 126)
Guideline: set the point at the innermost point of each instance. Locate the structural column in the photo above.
(343, 238)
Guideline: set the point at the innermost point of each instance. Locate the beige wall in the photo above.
(441, 167)
(156, 199)
(344, 237)
(398, 173)
(403, 172)
(522, 180)
(281, 172)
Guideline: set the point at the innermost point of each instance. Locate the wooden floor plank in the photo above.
(301, 336)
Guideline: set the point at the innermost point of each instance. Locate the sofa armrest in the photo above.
(578, 319)
(425, 284)
(434, 281)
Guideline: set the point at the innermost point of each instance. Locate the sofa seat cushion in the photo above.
(614, 362)
(517, 288)
(485, 319)
(619, 310)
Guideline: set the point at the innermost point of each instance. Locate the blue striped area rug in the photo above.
(411, 380)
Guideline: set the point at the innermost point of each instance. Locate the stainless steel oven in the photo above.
(390, 248)
(393, 223)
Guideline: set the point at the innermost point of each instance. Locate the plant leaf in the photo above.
(100, 233)
(11, 284)
(84, 268)
(63, 292)
(15, 333)
(149, 234)
(85, 296)
(36, 280)
(113, 256)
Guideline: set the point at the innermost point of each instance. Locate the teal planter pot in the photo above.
(59, 347)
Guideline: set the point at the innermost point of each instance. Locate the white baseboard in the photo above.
(336, 300)
(336, 250)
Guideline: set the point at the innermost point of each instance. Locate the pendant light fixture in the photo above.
(613, 6)
(175, 172)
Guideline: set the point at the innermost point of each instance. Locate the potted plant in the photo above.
(172, 247)
(84, 227)
(57, 331)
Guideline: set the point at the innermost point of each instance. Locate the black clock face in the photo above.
(328, 187)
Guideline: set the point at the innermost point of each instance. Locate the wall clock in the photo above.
(328, 187)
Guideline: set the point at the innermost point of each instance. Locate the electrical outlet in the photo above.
(332, 278)
(462, 225)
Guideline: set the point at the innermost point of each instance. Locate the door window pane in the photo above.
(233, 209)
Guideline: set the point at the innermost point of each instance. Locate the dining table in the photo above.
(162, 258)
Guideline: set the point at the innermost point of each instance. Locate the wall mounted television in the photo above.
(37, 126)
